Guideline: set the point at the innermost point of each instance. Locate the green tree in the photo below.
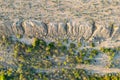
(2, 76)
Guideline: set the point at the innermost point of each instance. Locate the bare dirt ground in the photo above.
(60, 10)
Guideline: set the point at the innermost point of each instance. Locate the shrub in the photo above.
(79, 44)
(92, 44)
(2, 76)
(35, 42)
(63, 48)
(29, 49)
(72, 45)
(51, 45)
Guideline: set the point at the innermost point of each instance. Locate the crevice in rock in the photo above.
(66, 26)
(18, 28)
(94, 28)
(22, 27)
(46, 27)
(111, 30)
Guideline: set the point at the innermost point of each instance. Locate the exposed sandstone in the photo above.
(74, 30)
(52, 29)
(116, 34)
(17, 28)
(62, 29)
(34, 28)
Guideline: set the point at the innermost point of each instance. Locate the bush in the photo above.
(92, 44)
(72, 45)
(2, 76)
(79, 44)
(46, 56)
(51, 45)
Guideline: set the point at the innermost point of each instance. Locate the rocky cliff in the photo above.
(89, 30)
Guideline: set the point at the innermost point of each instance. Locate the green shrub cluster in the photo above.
(61, 74)
(35, 61)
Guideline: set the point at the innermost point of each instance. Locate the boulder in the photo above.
(69, 28)
(88, 31)
(102, 31)
(34, 28)
(116, 33)
(52, 29)
(62, 28)
(17, 28)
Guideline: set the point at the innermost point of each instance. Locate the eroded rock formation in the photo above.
(71, 29)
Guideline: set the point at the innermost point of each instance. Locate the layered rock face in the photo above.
(88, 30)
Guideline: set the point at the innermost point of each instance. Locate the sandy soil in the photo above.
(51, 10)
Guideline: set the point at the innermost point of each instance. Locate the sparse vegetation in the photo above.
(36, 61)
(74, 74)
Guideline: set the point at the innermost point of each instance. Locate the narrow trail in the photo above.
(92, 68)
(98, 69)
